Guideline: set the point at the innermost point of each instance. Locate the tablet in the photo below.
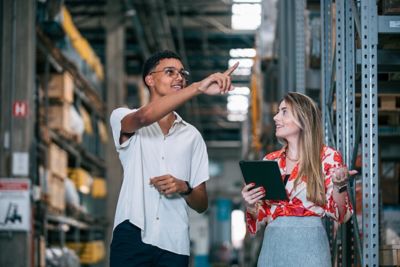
(264, 173)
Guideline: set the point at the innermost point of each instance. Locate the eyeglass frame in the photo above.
(183, 73)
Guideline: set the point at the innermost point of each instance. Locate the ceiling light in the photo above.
(242, 52)
(246, 16)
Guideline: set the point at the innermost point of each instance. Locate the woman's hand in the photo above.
(340, 176)
(252, 196)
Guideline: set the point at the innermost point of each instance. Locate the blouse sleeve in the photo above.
(263, 212)
(333, 160)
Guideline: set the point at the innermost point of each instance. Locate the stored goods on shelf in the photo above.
(99, 187)
(56, 193)
(57, 160)
(81, 45)
(60, 87)
(81, 178)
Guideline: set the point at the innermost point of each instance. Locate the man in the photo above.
(165, 165)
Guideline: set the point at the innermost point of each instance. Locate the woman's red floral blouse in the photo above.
(298, 205)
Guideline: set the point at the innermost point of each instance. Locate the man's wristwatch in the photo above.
(189, 190)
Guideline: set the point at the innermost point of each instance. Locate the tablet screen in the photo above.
(264, 173)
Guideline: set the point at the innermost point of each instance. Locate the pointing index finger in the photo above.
(231, 69)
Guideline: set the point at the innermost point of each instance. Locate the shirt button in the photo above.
(162, 158)
(157, 218)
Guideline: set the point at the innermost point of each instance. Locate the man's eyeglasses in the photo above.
(173, 73)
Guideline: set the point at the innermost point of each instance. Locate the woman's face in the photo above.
(285, 123)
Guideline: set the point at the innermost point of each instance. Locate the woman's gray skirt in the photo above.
(295, 241)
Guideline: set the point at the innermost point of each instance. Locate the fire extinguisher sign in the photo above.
(15, 209)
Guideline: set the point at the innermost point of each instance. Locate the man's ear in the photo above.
(149, 80)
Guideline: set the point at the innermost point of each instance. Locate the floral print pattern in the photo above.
(298, 204)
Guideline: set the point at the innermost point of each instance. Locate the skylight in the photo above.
(242, 52)
(238, 104)
(246, 16)
(245, 65)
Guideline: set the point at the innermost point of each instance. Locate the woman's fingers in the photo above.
(247, 187)
(353, 172)
(253, 195)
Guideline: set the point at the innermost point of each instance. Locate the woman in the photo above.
(315, 181)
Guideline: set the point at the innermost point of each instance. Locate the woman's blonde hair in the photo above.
(308, 117)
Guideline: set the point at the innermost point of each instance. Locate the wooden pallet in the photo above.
(55, 211)
(68, 135)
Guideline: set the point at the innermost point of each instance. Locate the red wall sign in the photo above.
(20, 109)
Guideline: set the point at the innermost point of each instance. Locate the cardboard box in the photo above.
(391, 7)
(82, 179)
(389, 255)
(60, 87)
(99, 188)
(56, 193)
(59, 117)
(57, 160)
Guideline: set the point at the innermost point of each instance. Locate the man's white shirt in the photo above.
(149, 153)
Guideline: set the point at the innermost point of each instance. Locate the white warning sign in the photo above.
(15, 211)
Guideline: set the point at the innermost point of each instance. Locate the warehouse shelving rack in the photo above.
(356, 19)
(88, 154)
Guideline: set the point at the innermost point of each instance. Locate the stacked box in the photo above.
(89, 252)
(81, 179)
(99, 188)
(391, 7)
(56, 193)
(390, 255)
(60, 87)
(59, 117)
(93, 252)
(57, 160)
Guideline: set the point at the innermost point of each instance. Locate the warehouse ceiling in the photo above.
(200, 31)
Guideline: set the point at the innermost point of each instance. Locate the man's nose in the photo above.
(179, 75)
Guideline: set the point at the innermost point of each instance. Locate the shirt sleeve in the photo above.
(199, 163)
(115, 121)
(263, 211)
(333, 160)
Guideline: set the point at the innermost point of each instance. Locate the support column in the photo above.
(300, 47)
(116, 95)
(17, 79)
(369, 111)
(326, 68)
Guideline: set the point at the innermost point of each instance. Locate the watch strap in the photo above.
(189, 190)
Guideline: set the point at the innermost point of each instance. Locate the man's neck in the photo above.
(166, 122)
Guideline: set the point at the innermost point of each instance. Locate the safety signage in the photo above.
(15, 212)
(20, 109)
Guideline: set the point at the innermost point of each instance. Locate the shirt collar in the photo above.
(282, 152)
(179, 119)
